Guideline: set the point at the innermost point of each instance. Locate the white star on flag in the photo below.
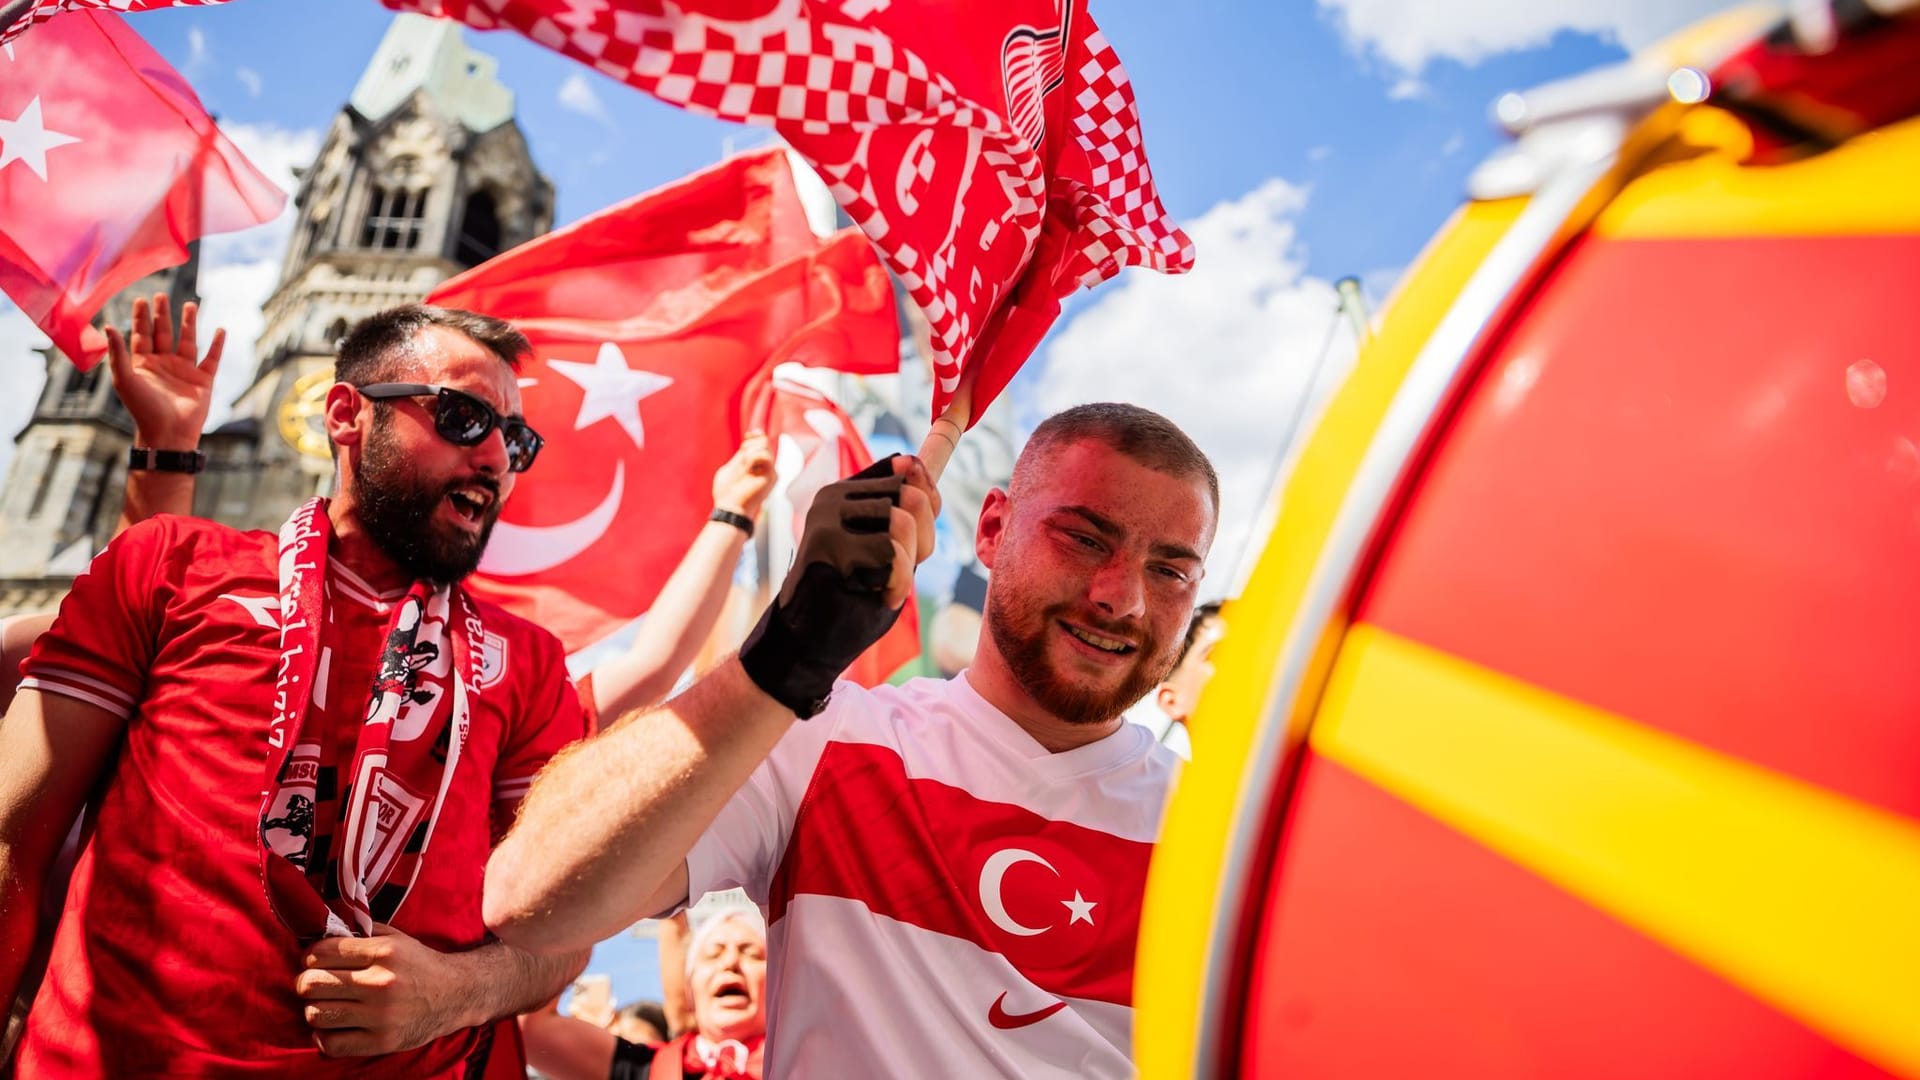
(612, 390)
(27, 139)
(1081, 907)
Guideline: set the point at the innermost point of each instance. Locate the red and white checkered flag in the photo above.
(17, 16)
(992, 153)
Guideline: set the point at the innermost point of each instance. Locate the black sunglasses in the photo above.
(464, 420)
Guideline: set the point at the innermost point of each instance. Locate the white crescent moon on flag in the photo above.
(516, 550)
(990, 899)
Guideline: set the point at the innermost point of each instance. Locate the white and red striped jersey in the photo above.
(944, 896)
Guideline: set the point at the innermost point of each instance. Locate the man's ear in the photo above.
(1168, 699)
(342, 415)
(993, 525)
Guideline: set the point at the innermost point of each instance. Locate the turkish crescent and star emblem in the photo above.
(993, 903)
(612, 390)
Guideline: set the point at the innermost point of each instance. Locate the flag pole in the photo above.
(943, 436)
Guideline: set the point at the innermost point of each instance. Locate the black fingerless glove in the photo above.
(832, 605)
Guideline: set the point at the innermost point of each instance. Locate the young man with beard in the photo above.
(952, 870)
(284, 867)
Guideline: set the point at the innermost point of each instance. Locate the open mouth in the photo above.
(1109, 645)
(470, 503)
(733, 991)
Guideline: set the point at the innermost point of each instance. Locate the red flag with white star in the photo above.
(991, 152)
(109, 168)
(650, 323)
(814, 444)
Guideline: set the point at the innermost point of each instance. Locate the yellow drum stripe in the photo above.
(1183, 886)
(1805, 898)
(1864, 186)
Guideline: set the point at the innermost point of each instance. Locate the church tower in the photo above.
(423, 174)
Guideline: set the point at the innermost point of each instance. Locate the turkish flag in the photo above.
(17, 15)
(815, 444)
(109, 168)
(992, 152)
(650, 323)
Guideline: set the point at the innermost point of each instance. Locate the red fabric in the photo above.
(680, 1057)
(38, 11)
(685, 295)
(168, 957)
(993, 154)
(134, 171)
(815, 444)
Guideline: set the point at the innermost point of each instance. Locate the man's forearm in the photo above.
(19, 922)
(149, 493)
(611, 819)
(505, 981)
(676, 625)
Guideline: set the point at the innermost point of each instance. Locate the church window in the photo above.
(45, 485)
(394, 217)
(479, 230)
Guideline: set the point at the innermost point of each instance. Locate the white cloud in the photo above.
(23, 372)
(1408, 34)
(198, 51)
(238, 270)
(1406, 88)
(1319, 153)
(250, 79)
(578, 95)
(1226, 351)
(1454, 144)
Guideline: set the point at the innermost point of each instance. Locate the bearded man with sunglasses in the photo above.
(299, 750)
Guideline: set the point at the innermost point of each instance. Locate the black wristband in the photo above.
(174, 461)
(832, 605)
(728, 517)
(779, 665)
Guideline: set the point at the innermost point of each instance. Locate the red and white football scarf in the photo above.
(404, 757)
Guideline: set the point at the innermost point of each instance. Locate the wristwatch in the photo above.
(729, 517)
(175, 461)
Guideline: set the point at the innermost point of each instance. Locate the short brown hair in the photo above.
(1141, 434)
(371, 351)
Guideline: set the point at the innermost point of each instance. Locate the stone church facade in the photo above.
(422, 174)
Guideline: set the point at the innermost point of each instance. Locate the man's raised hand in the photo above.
(161, 378)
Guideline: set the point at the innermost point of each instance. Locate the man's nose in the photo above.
(1117, 591)
(490, 453)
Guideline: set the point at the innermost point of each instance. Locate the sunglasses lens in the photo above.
(461, 419)
(522, 445)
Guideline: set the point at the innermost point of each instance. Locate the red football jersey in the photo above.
(168, 957)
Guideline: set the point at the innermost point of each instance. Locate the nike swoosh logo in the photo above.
(1005, 1021)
